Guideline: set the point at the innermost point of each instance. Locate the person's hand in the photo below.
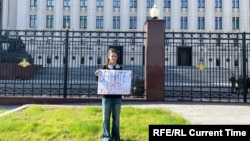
(96, 72)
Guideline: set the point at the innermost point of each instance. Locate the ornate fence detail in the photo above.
(198, 66)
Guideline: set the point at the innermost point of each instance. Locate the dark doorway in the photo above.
(120, 55)
(184, 56)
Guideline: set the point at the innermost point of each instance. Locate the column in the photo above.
(141, 14)
(108, 15)
(192, 15)
(23, 15)
(91, 16)
(227, 15)
(243, 15)
(209, 15)
(5, 17)
(41, 15)
(75, 15)
(58, 15)
(124, 15)
(175, 15)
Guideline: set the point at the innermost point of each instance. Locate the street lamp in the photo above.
(154, 12)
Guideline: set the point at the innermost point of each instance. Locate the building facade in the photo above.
(130, 15)
(125, 15)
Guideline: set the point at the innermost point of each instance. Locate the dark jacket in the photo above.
(110, 67)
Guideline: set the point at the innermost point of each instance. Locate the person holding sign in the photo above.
(111, 103)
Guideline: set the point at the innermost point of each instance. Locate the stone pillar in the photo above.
(154, 60)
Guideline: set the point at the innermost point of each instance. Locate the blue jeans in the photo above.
(111, 106)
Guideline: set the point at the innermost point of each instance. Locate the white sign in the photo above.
(114, 82)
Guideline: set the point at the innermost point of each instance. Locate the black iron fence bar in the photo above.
(244, 66)
(66, 65)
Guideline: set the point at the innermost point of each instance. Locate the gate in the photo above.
(199, 66)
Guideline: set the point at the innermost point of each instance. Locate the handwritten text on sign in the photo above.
(114, 82)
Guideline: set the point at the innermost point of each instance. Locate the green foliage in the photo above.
(73, 123)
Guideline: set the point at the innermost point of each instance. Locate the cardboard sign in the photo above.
(114, 82)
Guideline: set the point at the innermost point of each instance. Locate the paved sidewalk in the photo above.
(208, 113)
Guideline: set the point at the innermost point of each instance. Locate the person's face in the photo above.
(112, 58)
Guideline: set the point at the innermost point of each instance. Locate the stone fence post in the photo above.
(154, 60)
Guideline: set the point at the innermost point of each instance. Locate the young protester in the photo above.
(111, 104)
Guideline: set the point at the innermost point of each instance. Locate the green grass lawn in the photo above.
(80, 123)
(1, 111)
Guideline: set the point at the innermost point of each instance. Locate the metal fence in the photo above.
(198, 66)
(65, 61)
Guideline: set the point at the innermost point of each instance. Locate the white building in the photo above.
(124, 15)
(130, 15)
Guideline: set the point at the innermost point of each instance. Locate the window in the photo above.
(166, 42)
(33, 20)
(201, 41)
(235, 23)
(32, 40)
(99, 3)
(217, 42)
(116, 3)
(115, 41)
(82, 60)
(167, 22)
(49, 40)
(183, 23)
(66, 3)
(83, 22)
(217, 62)
(132, 40)
(99, 60)
(236, 63)
(64, 41)
(33, 3)
(132, 22)
(150, 3)
(99, 22)
(49, 21)
(133, 3)
(48, 60)
(83, 3)
(236, 42)
(184, 3)
(98, 42)
(235, 3)
(167, 3)
(201, 3)
(83, 40)
(201, 22)
(66, 21)
(116, 22)
(218, 23)
(183, 42)
(218, 3)
(50, 3)
(132, 59)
